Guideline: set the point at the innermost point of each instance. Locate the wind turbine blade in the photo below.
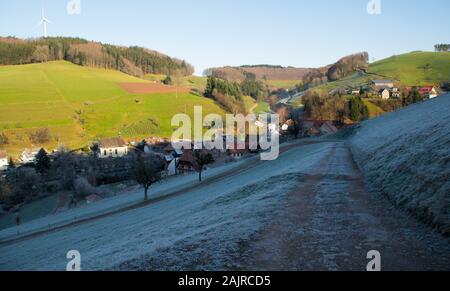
(39, 24)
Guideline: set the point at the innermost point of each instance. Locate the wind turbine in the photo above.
(44, 22)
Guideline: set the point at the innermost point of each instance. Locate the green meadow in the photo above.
(81, 104)
(374, 110)
(411, 69)
(283, 84)
(416, 68)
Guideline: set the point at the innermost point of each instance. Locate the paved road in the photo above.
(330, 222)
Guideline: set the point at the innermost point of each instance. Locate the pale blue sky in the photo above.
(235, 32)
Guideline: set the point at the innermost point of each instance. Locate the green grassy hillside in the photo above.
(416, 68)
(283, 84)
(411, 69)
(79, 104)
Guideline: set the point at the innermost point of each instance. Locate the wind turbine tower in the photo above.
(44, 21)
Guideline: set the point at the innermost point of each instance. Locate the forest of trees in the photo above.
(442, 47)
(135, 61)
(257, 72)
(342, 68)
(254, 89)
(227, 94)
(230, 94)
(337, 108)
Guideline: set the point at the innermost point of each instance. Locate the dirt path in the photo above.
(330, 222)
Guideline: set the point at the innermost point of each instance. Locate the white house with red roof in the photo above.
(428, 92)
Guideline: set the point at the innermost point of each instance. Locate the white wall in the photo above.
(113, 152)
(4, 163)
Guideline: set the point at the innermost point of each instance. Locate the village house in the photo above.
(424, 91)
(172, 157)
(112, 148)
(4, 163)
(385, 94)
(187, 163)
(28, 156)
(428, 92)
(395, 92)
(388, 93)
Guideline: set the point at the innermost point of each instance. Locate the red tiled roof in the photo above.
(112, 143)
(426, 89)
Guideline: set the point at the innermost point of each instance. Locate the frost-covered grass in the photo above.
(110, 204)
(200, 229)
(406, 155)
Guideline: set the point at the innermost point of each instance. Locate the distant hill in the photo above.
(288, 77)
(79, 104)
(133, 60)
(410, 69)
(259, 72)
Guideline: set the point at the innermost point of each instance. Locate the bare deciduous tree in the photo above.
(147, 172)
(202, 158)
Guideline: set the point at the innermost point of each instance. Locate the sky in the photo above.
(210, 33)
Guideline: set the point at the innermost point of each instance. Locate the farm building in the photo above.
(382, 83)
(112, 148)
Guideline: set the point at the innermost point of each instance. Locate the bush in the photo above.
(40, 136)
(167, 81)
(25, 183)
(82, 188)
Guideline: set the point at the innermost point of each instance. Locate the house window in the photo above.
(117, 152)
(104, 153)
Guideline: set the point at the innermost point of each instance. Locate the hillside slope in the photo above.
(200, 229)
(406, 156)
(79, 103)
(136, 61)
(410, 69)
(416, 68)
(260, 72)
